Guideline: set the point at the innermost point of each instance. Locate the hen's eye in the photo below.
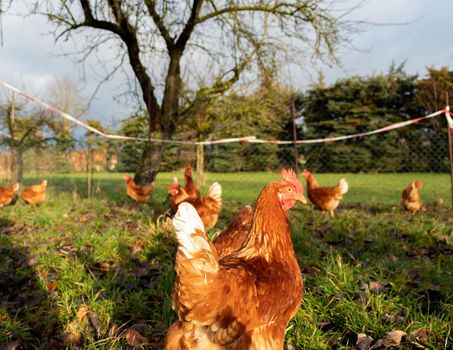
(290, 189)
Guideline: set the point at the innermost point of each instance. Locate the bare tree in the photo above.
(161, 39)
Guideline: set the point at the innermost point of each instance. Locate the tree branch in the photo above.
(190, 25)
(150, 4)
(292, 10)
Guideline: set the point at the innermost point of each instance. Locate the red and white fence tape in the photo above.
(250, 139)
(448, 115)
(347, 137)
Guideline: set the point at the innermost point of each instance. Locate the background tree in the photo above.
(361, 104)
(29, 128)
(161, 39)
(431, 95)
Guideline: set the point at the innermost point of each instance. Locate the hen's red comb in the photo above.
(174, 184)
(290, 176)
(418, 184)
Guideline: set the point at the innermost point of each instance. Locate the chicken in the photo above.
(190, 187)
(35, 194)
(325, 198)
(411, 197)
(8, 194)
(208, 207)
(140, 194)
(243, 300)
(232, 238)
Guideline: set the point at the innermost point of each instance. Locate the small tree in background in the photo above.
(29, 127)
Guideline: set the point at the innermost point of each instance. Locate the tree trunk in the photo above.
(149, 164)
(19, 161)
(201, 181)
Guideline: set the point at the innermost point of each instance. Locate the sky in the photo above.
(418, 32)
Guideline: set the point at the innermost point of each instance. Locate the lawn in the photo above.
(94, 272)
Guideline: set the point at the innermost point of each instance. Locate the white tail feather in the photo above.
(215, 191)
(344, 187)
(186, 222)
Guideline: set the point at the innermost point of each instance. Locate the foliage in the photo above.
(360, 104)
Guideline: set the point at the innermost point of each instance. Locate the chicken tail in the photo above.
(190, 231)
(215, 191)
(343, 185)
(15, 187)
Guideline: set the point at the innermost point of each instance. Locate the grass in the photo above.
(117, 259)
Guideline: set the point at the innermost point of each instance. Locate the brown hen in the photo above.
(8, 194)
(245, 299)
(326, 199)
(411, 200)
(190, 187)
(140, 194)
(35, 194)
(208, 207)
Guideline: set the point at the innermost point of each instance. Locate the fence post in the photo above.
(200, 165)
(450, 150)
(296, 153)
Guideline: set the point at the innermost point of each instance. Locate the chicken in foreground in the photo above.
(243, 300)
(234, 236)
(35, 194)
(8, 194)
(325, 199)
(190, 187)
(208, 207)
(140, 194)
(411, 200)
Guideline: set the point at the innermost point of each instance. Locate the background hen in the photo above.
(411, 200)
(35, 194)
(326, 199)
(140, 194)
(243, 300)
(190, 186)
(8, 194)
(208, 207)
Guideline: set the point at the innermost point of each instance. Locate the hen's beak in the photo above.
(301, 197)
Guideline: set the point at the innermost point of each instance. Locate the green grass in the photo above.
(117, 259)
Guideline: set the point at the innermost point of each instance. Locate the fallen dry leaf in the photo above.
(12, 345)
(95, 324)
(82, 313)
(421, 334)
(137, 246)
(51, 286)
(134, 338)
(84, 218)
(70, 339)
(376, 287)
(391, 340)
(363, 341)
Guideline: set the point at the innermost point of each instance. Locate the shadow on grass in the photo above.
(22, 296)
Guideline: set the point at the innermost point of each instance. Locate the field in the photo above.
(94, 272)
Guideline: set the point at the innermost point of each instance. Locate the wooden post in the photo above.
(201, 180)
(296, 153)
(11, 127)
(450, 149)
